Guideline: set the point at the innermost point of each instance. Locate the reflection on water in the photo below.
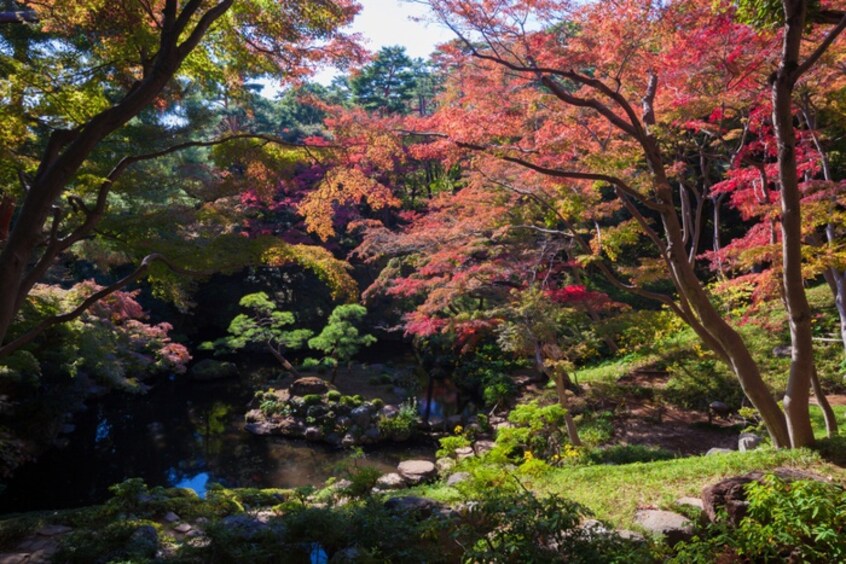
(179, 434)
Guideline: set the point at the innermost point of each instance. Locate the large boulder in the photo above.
(209, 370)
(730, 494)
(308, 385)
(361, 416)
(417, 471)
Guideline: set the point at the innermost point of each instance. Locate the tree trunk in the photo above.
(797, 394)
(282, 360)
(828, 413)
(561, 380)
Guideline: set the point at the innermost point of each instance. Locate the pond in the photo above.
(179, 434)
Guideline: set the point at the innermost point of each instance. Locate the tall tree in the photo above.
(79, 76)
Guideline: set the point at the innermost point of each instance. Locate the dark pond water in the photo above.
(179, 434)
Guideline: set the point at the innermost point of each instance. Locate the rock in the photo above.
(457, 478)
(171, 517)
(719, 408)
(372, 434)
(343, 422)
(673, 526)
(437, 424)
(691, 501)
(716, 450)
(14, 557)
(143, 542)
(464, 452)
(731, 493)
(183, 528)
(444, 465)
(392, 481)
(483, 446)
(348, 441)
(389, 411)
(333, 439)
(417, 471)
(209, 370)
(308, 385)
(313, 434)
(260, 428)
(291, 427)
(748, 441)
(421, 507)
(317, 411)
(243, 526)
(53, 530)
(361, 416)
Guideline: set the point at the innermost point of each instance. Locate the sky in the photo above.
(387, 22)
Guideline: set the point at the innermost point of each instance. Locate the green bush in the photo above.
(333, 395)
(312, 399)
(628, 454)
(450, 444)
(800, 521)
(403, 423)
(538, 430)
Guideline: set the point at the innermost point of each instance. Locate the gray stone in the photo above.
(417, 471)
(313, 434)
(372, 434)
(715, 450)
(143, 542)
(457, 478)
(171, 517)
(783, 351)
(343, 422)
(53, 530)
(361, 416)
(444, 465)
(244, 526)
(348, 441)
(183, 528)
(483, 446)
(308, 386)
(392, 481)
(464, 452)
(208, 370)
(748, 441)
(14, 557)
(673, 526)
(389, 411)
(719, 408)
(691, 501)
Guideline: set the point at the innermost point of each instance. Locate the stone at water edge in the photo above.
(673, 526)
(417, 471)
(361, 416)
(183, 528)
(308, 385)
(313, 434)
(421, 506)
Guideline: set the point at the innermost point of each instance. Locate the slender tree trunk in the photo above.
(282, 360)
(561, 380)
(797, 394)
(828, 412)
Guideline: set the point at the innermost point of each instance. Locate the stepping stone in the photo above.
(457, 478)
(183, 528)
(692, 502)
(417, 471)
(171, 517)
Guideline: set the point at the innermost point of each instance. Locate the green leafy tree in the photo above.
(388, 84)
(264, 324)
(341, 339)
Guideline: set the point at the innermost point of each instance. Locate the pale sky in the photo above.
(384, 23)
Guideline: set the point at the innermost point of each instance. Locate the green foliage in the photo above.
(537, 432)
(333, 396)
(312, 399)
(801, 521)
(596, 428)
(340, 339)
(403, 423)
(487, 373)
(523, 528)
(450, 443)
(628, 454)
